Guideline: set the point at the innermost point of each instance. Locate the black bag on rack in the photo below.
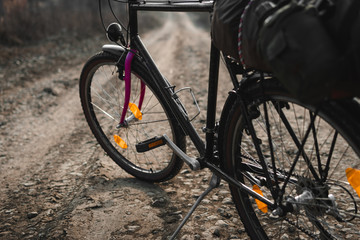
(248, 42)
(225, 25)
(312, 50)
(344, 27)
(311, 46)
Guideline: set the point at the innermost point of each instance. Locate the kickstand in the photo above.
(214, 183)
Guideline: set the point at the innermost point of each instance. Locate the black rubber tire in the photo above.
(158, 164)
(344, 116)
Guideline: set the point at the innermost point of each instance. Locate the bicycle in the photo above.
(288, 164)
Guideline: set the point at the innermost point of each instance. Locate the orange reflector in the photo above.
(353, 176)
(155, 144)
(135, 110)
(120, 142)
(262, 206)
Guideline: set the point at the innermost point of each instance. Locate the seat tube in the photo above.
(212, 98)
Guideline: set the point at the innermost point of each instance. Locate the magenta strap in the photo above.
(127, 79)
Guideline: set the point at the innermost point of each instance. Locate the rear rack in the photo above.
(173, 5)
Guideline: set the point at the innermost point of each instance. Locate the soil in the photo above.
(56, 181)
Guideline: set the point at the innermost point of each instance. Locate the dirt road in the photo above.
(57, 183)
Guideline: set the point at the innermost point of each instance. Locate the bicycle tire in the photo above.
(313, 214)
(102, 98)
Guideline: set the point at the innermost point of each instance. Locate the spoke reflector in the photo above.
(353, 176)
(262, 206)
(120, 142)
(135, 110)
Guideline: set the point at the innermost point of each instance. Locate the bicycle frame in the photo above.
(269, 146)
(163, 85)
(206, 150)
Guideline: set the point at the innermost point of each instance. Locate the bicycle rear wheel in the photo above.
(309, 186)
(102, 97)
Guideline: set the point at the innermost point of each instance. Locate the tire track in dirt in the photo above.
(44, 150)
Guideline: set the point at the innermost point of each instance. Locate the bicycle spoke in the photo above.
(300, 147)
(316, 146)
(107, 114)
(276, 190)
(327, 166)
(338, 162)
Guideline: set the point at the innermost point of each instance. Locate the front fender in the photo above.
(114, 49)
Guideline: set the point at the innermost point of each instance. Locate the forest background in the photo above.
(28, 21)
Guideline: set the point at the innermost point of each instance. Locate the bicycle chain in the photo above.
(302, 229)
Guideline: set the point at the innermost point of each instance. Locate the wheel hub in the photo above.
(311, 196)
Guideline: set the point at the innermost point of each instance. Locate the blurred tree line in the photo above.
(24, 21)
(27, 21)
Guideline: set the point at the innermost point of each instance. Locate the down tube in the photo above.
(212, 98)
(166, 90)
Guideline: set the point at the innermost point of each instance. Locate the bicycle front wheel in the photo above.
(102, 93)
(309, 153)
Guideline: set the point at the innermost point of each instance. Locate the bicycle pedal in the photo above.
(150, 144)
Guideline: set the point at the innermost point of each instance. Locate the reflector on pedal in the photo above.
(262, 206)
(135, 110)
(120, 142)
(150, 144)
(353, 176)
